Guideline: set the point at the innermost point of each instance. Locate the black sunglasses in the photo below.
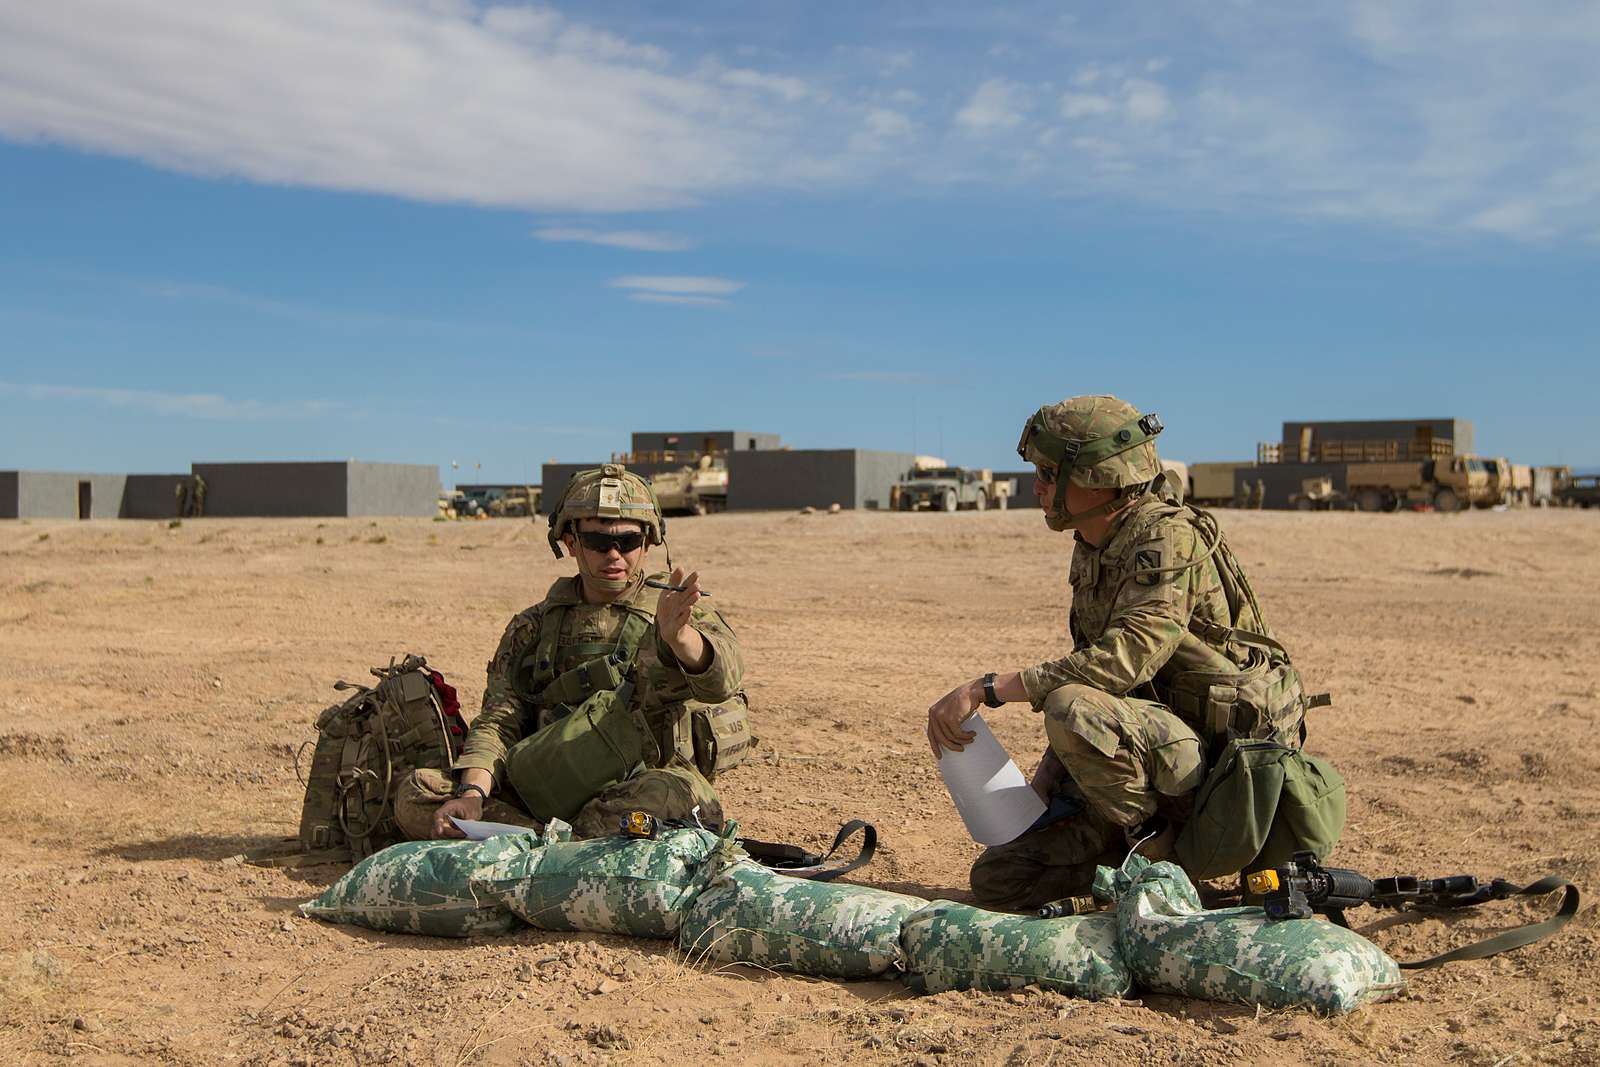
(601, 541)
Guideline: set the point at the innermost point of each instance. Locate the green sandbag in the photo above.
(608, 885)
(956, 946)
(748, 914)
(423, 887)
(1173, 945)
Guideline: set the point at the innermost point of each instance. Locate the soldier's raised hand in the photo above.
(674, 618)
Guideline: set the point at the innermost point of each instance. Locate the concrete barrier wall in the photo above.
(876, 473)
(1284, 479)
(820, 477)
(275, 490)
(54, 495)
(150, 496)
(408, 489)
(8, 495)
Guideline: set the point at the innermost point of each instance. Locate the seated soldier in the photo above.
(676, 662)
(1170, 657)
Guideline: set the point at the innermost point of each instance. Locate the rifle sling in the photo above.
(1518, 937)
(798, 863)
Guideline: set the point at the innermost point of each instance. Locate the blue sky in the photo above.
(497, 234)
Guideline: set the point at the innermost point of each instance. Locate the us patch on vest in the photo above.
(1145, 562)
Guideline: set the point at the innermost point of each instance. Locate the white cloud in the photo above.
(1079, 105)
(997, 104)
(1146, 101)
(635, 240)
(678, 283)
(448, 102)
(186, 405)
(785, 88)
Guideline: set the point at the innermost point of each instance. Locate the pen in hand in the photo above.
(654, 584)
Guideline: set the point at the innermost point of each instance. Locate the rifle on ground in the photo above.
(1303, 886)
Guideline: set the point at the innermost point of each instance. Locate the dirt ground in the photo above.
(156, 681)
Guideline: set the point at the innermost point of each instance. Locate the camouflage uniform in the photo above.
(1123, 711)
(670, 787)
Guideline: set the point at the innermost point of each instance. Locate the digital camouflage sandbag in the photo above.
(423, 887)
(1173, 945)
(956, 946)
(748, 914)
(365, 747)
(608, 885)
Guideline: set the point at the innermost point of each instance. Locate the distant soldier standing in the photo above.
(180, 493)
(197, 497)
(1170, 654)
(672, 666)
(1258, 494)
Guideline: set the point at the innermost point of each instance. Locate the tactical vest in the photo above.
(367, 745)
(1262, 700)
(554, 680)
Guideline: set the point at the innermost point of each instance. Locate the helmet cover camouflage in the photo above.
(1097, 442)
(608, 492)
(1115, 445)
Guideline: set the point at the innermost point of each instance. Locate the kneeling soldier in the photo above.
(608, 696)
(1170, 658)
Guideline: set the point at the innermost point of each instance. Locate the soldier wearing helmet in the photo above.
(1170, 657)
(679, 660)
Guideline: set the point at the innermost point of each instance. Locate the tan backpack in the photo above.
(367, 745)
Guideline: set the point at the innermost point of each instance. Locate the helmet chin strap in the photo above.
(1059, 518)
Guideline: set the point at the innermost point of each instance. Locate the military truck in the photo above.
(1445, 484)
(1580, 491)
(693, 490)
(951, 489)
(1211, 484)
(517, 501)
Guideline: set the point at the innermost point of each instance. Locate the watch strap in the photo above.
(991, 699)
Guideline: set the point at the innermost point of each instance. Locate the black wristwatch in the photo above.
(991, 699)
(464, 788)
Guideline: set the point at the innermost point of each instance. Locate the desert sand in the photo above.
(156, 683)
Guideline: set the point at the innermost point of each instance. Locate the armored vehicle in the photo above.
(517, 501)
(697, 490)
(1318, 494)
(950, 489)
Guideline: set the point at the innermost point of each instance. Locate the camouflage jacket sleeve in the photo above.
(504, 718)
(720, 680)
(1126, 624)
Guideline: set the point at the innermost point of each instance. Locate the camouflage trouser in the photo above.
(1126, 759)
(668, 793)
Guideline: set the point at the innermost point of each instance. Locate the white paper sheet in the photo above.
(994, 799)
(482, 831)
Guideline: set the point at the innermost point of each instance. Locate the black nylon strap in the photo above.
(797, 862)
(1519, 937)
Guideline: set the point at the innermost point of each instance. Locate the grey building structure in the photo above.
(61, 495)
(819, 477)
(1307, 442)
(705, 441)
(345, 488)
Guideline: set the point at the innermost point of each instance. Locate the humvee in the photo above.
(950, 489)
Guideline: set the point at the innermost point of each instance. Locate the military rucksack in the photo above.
(366, 746)
(1262, 803)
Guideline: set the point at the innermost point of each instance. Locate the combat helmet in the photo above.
(1097, 442)
(608, 492)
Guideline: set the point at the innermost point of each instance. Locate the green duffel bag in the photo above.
(956, 946)
(1173, 945)
(749, 914)
(1261, 803)
(606, 885)
(424, 887)
(599, 743)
